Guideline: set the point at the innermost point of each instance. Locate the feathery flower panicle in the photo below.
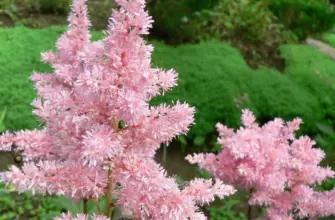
(100, 134)
(69, 216)
(277, 167)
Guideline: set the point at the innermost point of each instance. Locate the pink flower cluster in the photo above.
(277, 167)
(68, 216)
(100, 134)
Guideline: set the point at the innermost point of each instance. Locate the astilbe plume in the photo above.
(278, 168)
(100, 135)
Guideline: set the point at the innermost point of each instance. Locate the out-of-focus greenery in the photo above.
(36, 207)
(213, 77)
(9, 9)
(246, 18)
(329, 38)
(231, 208)
(313, 71)
(215, 82)
(173, 19)
(248, 25)
(26, 205)
(326, 139)
(226, 211)
(304, 17)
(42, 13)
(2, 119)
(19, 57)
(49, 6)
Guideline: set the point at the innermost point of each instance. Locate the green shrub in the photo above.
(304, 62)
(173, 18)
(246, 19)
(304, 17)
(26, 206)
(100, 12)
(19, 57)
(329, 38)
(8, 9)
(50, 6)
(227, 211)
(250, 26)
(213, 75)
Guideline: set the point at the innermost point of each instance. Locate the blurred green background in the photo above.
(230, 55)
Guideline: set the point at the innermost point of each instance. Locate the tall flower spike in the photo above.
(277, 166)
(72, 41)
(100, 134)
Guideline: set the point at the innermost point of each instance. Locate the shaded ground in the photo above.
(322, 47)
(19, 12)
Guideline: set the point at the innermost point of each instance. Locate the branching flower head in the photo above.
(277, 167)
(100, 134)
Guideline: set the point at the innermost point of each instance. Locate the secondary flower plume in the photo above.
(278, 168)
(100, 134)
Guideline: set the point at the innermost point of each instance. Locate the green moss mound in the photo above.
(19, 57)
(329, 38)
(315, 72)
(213, 77)
(20, 50)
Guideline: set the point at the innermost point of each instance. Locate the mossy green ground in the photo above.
(212, 75)
(329, 38)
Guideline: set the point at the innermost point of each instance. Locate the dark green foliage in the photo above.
(173, 18)
(304, 17)
(227, 211)
(250, 26)
(326, 139)
(247, 19)
(26, 206)
(49, 6)
(7, 9)
(35, 207)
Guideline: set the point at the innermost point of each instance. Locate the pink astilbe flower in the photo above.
(69, 216)
(278, 168)
(100, 134)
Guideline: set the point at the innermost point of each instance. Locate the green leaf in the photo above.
(2, 127)
(182, 139)
(63, 203)
(204, 174)
(179, 180)
(3, 114)
(48, 216)
(326, 128)
(199, 140)
(321, 141)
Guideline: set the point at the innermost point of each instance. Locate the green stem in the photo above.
(249, 211)
(110, 203)
(249, 206)
(85, 206)
(97, 204)
(164, 153)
